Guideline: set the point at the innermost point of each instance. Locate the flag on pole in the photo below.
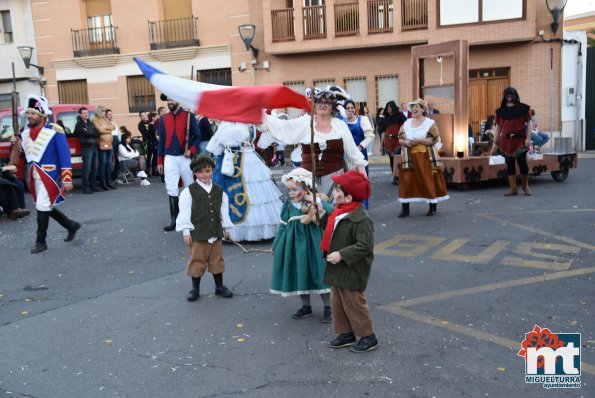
(234, 104)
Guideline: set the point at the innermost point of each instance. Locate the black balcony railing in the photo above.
(173, 33)
(94, 41)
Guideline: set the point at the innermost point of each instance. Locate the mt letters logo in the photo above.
(552, 359)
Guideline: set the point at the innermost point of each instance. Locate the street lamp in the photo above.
(556, 7)
(26, 52)
(247, 34)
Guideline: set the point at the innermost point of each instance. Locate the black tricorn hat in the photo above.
(163, 97)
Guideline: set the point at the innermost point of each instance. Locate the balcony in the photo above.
(380, 16)
(347, 19)
(282, 23)
(314, 22)
(414, 14)
(173, 33)
(94, 41)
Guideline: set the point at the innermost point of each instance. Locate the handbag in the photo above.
(227, 166)
(105, 146)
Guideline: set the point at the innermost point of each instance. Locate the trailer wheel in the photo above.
(560, 175)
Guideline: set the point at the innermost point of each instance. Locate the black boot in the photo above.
(220, 288)
(432, 209)
(110, 185)
(173, 211)
(104, 186)
(71, 226)
(43, 220)
(404, 210)
(194, 294)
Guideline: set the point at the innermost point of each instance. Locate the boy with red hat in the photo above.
(348, 244)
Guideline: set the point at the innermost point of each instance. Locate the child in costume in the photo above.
(298, 264)
(255, 202)
(203, 220)
(348, 243)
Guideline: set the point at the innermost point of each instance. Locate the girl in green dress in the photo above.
(298, 264)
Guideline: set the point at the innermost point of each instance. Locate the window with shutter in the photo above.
(141, 94)
(73, 92)
(387, 89)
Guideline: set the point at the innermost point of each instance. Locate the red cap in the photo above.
(355, 184)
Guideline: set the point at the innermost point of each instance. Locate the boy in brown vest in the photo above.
(204, 221)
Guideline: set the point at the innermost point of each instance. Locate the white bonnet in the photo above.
(298, 174)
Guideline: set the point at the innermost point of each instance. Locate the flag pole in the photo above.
(313, 156)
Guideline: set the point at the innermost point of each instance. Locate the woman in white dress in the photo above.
(254, 199)
(333, 142)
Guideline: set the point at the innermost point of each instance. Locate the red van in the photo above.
(67, 114)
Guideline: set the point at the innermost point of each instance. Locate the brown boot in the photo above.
(512, 186)
(525, 185)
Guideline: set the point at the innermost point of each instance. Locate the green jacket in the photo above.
(353, 238)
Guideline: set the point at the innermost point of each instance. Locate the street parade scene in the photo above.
(388, 199)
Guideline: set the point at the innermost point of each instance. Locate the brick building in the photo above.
(87, 47)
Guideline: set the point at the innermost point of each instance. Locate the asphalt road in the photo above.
(452, 297)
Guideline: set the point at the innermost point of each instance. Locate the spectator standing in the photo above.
(145, 127)
(431, 110)
(49, 170)
(88, 136)
(206, 132)
(104, 128)
(405, 111)
(115, 143)
(179, 139)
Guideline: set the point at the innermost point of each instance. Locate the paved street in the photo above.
(452, 297)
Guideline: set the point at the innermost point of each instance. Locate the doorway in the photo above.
(485, 94)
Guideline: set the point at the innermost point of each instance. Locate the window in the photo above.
(387, 89)
(215, 76)
(357, 90)
(141, 94)
(322, 84)
(6, 27)
(300, 87)
(100, 29)
(453, 13)
(99, 20)
(73, 92)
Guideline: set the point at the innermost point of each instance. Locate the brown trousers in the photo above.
(350, 312)
(203, 256)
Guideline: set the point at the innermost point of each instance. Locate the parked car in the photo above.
(66, 113)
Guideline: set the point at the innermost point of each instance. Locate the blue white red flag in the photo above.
(235, 104)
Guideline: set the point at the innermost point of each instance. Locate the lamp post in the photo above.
(247, 34)
(556, 7)
(26, 52)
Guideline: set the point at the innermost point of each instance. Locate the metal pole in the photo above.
(15, 105)
(551, 115)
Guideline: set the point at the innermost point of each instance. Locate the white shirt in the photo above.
(297, 131)
(420, 132)
(367, 129)
(125, 154)
(183, 221)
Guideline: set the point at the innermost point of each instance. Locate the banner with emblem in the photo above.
(235, 188)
